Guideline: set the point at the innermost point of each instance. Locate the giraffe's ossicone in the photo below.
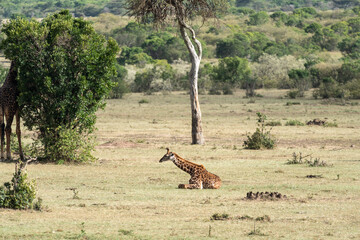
(200, 177)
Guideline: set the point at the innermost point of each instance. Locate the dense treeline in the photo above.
(36, 8)
(296, 49)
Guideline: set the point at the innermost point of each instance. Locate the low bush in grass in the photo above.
(261, 138)
(20, 193)
(294, 123)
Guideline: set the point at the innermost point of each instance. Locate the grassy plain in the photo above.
(128, 194)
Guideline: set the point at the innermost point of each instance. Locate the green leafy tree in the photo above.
(231, 72)
(350, 47)
(279, 16)
(163, 45)
(258, 18)
(313, 27)
(134, 55)
(354, 25)
(120, 86)
(326, 39)
(132, 35)
(300, 80)
(341, 28)
(65, 73)
(236, 45)
(158, 78)
(349, 70)
(306, 12)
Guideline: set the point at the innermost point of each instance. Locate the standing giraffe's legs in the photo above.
(18, 133)
(9, 119)
(2, 132)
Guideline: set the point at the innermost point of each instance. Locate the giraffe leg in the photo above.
(189, 186)
(2, 132)
(193, 184)
(9, 119)
(18, 133)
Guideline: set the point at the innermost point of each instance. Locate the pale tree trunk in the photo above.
(195, 56)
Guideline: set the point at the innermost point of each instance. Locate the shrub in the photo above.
(294, 94)
(273, 123)
(120, 86)
(261, 138)
(158, 78)
(258, 18)
(218, 216)
(230, 73)
(19, 193)
(292, 103)
(329, 88)
(134, 55)
(294, 123)
(300, 80)
(70, 146)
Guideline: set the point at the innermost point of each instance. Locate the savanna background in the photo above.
(293, 61)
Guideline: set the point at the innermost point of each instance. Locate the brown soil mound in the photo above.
(265, 196)
(317, 122)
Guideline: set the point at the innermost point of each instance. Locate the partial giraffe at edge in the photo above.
(9, 108)
(200, 177)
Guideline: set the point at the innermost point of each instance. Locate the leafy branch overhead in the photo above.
(158, 11)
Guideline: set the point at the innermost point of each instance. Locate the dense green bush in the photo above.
(349, 70)
(294, 123)
(157, 78)
(69, 146)
(20, 193)
(258, 18)
(231, 72)
(300, 80)
(134, 55)
(261, 138)
(329, 88)
(65, 75)
(120, 86)
(350, 47)
(163, 45)
(3, 74)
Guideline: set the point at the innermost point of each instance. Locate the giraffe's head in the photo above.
(168, 156)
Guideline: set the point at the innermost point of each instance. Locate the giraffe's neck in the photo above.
(185, 165)
(11, 77)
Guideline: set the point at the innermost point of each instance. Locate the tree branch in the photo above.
(188, 42)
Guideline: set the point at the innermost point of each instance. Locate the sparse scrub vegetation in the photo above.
(294, 122)
(308, 160)
(261, 138)
(20, 193)
(273, 123)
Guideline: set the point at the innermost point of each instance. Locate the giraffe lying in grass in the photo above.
(200, 177)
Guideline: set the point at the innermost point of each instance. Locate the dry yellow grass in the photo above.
(128, 194)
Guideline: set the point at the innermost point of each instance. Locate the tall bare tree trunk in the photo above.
(196, 129)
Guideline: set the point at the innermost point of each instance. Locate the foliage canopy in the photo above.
(65, 72)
